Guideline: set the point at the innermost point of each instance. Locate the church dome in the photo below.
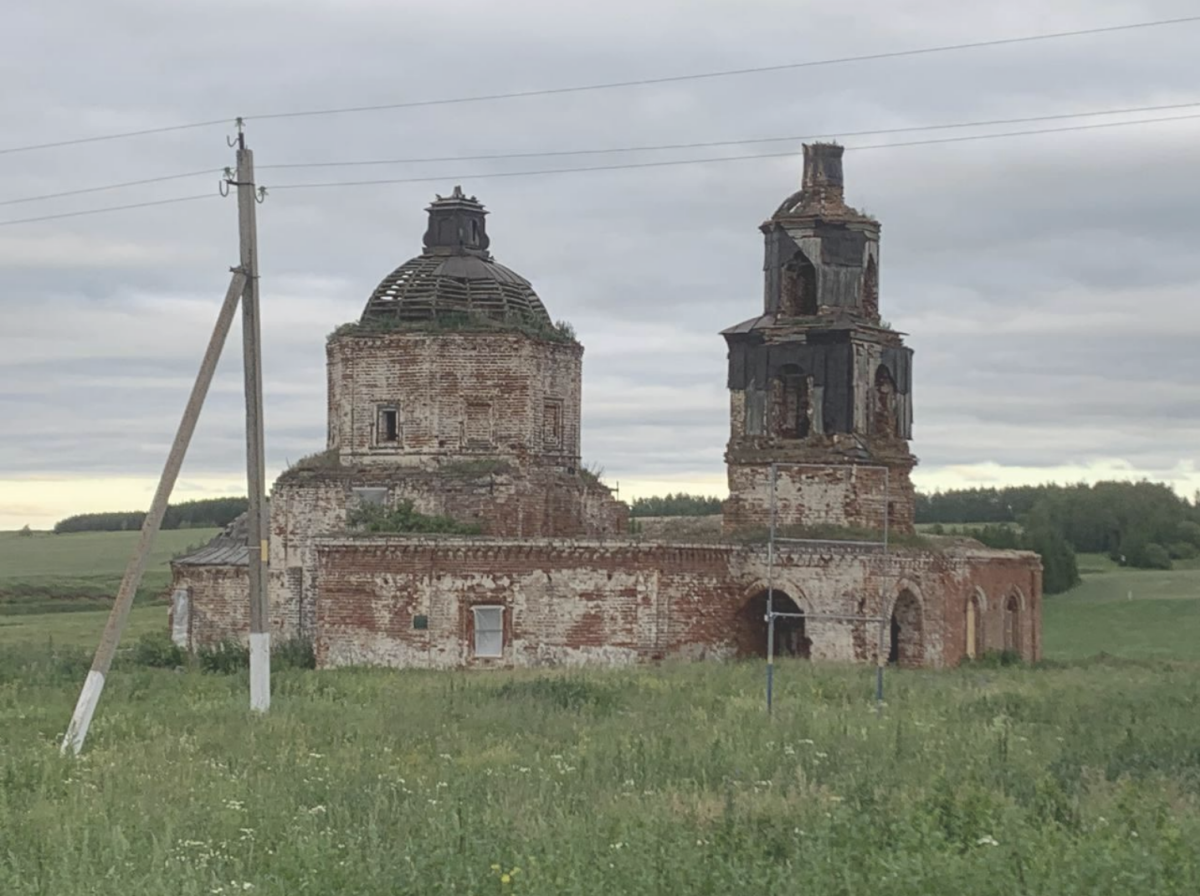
(454, 275)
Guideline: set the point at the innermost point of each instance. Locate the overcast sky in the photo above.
(1049, 284)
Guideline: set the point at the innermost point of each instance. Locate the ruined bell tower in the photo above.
(818, 382)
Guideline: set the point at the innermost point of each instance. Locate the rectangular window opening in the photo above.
(388, 426)
(489, 631)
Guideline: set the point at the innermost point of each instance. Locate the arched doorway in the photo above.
(1012, 624)
(791, 636)
(907, 641)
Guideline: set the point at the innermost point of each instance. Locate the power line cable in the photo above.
(738, 158)
(103, 137)
(614, 150)
(716, 143)
(128, 183)
(109, 208)
(669, 79)
(624, 166)
(672, 79)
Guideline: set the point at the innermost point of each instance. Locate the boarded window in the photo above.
(479, 424)
(370, 495)
(756, 406)
(552, 423)
(387, 425)
(489, 631)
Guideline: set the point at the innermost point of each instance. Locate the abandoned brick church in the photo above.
(455, 396)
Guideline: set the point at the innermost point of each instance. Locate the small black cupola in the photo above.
(457, 226)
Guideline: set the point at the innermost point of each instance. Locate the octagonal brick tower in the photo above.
(818, 382)
(455, 359)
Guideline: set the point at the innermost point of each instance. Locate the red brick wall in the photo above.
(619, 602)
(218, 602)
(842, 496)
(449, 387)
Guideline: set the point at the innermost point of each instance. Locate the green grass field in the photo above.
(49, 572)
(1077, 776)
(1133, 613)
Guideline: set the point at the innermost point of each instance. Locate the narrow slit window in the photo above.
(552, 419)
(388, 426)
(489, 631)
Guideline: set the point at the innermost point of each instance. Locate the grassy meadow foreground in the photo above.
(1075, 776)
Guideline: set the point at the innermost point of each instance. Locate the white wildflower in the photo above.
(987, 840)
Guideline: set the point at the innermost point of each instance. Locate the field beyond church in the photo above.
(1081, 775)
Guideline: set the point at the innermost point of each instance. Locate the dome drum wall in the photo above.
(423, 399)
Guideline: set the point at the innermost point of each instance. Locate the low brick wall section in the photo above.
(412, 603)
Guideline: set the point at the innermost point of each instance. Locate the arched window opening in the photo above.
(799, 287)
(474, 232)
(870, 300)
(885, 416)
(974, 628)
(907, 642)
(791, 404)
(1012, 624)
(791, 637)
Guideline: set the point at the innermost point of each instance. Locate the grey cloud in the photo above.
(1048, 282)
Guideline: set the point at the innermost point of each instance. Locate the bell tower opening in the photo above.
(798, 287)
(791, 404)
(884, 417)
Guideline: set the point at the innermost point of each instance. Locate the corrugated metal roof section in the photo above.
(228, 548)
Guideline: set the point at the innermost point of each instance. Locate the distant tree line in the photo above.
(203, 514)
(680, 504)
(1060, 568)
(1140, 524)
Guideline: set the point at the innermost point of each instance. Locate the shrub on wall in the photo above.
(404, 518)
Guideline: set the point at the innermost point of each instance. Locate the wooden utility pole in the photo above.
(89, 696)
(260, 617)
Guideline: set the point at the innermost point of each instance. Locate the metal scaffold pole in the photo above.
(771, 597)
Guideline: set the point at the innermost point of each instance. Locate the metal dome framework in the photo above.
(431, 286)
